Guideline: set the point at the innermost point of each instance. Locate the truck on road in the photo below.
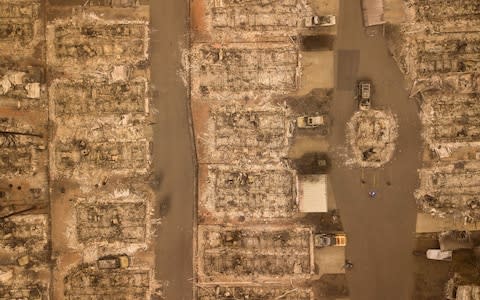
(330, 239)
(364, 94)
(310, 121)
(314, 21)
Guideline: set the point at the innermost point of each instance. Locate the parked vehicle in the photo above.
(114, 262)
(330, 239)
(310, 122)
(327, 20)
(437, 254)
(364, 94)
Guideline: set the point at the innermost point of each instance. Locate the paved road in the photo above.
(172, 153)
(381, 230)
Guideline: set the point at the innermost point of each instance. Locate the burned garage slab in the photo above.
(246, 194)
(250, 129)
(254, 253)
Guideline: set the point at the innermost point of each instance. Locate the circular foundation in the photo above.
(372, 135)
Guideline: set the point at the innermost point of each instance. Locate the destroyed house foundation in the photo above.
(442, 65)
(243, 60)
(76, 142)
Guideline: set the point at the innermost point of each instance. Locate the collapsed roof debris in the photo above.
(20, 27)
(257, 134)
(245, 65)
(249, 20)
(253, 254)
(89, 282)
(239, 70)
(112, 221)
(243, 194)
(76, 158)
(90, 97)
(93, 41)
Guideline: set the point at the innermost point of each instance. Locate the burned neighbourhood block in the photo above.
(99, 98)
(256, 192)
(86, 43)
(221, 292)
(87, 282)
(243, 70)
(112, 222)
(245, 254)
(441, 60)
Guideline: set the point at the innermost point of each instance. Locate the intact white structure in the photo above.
(312, 193)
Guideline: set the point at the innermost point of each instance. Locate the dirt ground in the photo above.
(311, 63)
(172, 150)
(380, 230)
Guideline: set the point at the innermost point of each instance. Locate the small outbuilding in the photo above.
(312, 193)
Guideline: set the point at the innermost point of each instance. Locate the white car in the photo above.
(313, 21)
(437, 254)
(310, 122)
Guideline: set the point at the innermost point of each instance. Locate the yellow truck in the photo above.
(330, 239)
